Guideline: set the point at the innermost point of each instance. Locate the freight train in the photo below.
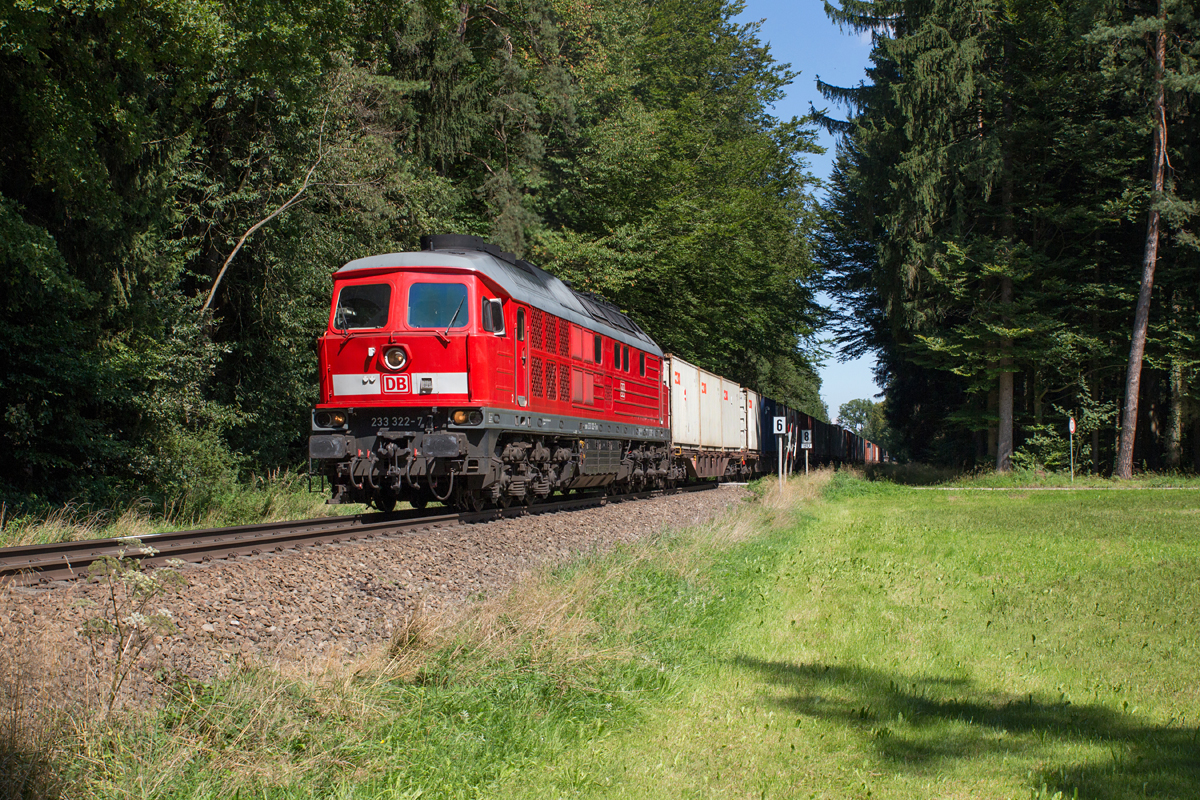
(464, 375)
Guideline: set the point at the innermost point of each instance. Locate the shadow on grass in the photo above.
(919, 723)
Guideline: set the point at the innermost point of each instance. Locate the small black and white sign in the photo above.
(780, 425)
(806, 440)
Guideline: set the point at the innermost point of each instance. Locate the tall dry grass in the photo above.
(797, 490)
(547, 621)
(43, 703)
(75, 523)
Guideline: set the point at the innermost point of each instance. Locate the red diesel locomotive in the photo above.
(465, 375)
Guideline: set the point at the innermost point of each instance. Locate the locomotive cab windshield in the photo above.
(438, 305)
(363, 307)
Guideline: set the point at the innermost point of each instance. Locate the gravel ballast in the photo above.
(333, 603)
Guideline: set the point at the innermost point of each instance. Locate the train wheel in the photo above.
(384, 502)
(418, 501)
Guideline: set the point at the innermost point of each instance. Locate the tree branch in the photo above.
(291, 201)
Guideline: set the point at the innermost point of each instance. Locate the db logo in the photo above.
(397, 384)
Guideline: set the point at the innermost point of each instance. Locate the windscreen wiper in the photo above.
(446, 333)
(339, 323)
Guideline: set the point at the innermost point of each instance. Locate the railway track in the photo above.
(31, 565)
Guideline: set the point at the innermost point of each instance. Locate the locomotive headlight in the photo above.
(395, 358)
(465, 417)
(330, 419)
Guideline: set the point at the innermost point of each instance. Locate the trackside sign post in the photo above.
(780, 431)
(806, 445)
(1071, 429)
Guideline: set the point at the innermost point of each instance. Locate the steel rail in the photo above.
(30, 565)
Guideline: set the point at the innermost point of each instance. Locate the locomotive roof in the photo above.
(522, 280)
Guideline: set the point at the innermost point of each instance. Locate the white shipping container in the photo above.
(733, 416)
(753, 419)
(711, 435)
(684, 383)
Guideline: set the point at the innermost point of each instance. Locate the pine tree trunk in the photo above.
(993, 402)
(1141, 319)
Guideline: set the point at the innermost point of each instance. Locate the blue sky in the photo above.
(801, 34)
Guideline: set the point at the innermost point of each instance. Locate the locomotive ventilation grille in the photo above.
(535, 335)
(551, 380)
(564, 340)
(537, 372)
(564, 383)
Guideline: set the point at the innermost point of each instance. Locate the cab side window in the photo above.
(493, 316)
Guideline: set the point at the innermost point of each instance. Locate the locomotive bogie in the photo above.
(385, 455)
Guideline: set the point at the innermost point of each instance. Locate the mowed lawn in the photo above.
(900, 642)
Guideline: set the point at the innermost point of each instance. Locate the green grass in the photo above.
(915, 474)
(1018, 478)
(921, 644)
(875, 640)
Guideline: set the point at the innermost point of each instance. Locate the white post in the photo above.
(1071, 429)
(805, 462)
(780, 429)
(780, 439)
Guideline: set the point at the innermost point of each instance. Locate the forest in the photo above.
(179, 180)
(1012, 205)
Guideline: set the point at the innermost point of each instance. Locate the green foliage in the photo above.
(688, 204)
(1045, 448)
(868, 419)
(140, 146)
(846, 483)
(987, 215)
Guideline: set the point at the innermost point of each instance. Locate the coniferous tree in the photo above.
(984, 236)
